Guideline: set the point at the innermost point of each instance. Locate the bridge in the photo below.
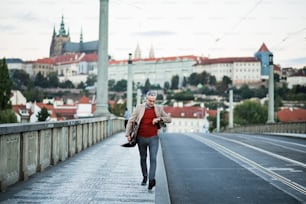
(81, 161)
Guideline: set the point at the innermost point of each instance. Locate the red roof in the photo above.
(263, 48)
(48, 107)
(185, 112)
(67, 58)
(45, 61)
(84, 100)
(160, 59)
(226, 60)
(92, 57)
(292, 115)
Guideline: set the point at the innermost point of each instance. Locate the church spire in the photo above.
(137, 54)
(151, 53)
(54, 32)
(62, 30)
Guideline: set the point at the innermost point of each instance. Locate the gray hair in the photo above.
(151, 93)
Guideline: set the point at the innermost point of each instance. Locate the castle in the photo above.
(61, 44)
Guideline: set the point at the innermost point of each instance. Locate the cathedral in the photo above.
(61, 44)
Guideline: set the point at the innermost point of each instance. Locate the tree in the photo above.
(121, 85)
(246, 92)
(7, 116)
(91, 80)
(193, 79)
(66, 84)
(43, 114)
(184, 84)
(53, 80)
(40, 80)
(223, 85)
(147, 86)
(175, 82)
(5, 86)
(250, 112)
(20, 79)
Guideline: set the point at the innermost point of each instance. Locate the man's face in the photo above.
(151, 101)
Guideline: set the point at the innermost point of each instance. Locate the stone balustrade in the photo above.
(31, 147)
(297, 128)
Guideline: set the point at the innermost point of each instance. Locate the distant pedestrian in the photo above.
(126, 116)
(148, 116)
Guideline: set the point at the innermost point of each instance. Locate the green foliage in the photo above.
(7, 116)
(183, 96)
(250, 112)
(175, 82)
(91, 80)
(20, 79)
(213, 121)
(5, 86)
(53, 80)
(41, 81)
(147, 86)
(223, 86)
(67, 84)
(185, 82)
(81, 85)
(121, 85)
(43, 114)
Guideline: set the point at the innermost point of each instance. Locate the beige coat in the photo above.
(139, 112)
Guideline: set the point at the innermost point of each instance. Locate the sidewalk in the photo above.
(104, 173)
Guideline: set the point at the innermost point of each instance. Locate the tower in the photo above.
(58, 40)
(137, 54)
(263, 55)
(151, 53)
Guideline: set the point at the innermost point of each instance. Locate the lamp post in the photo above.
(218, 115)
(138, 101)
(271, 91)
(102, 78)
(231, 109)
(130, 84)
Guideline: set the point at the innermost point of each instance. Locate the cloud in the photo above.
(296, 62)
(6, 28)
(155, 33)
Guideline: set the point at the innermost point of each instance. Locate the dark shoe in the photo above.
(144, 181)
(152, 183)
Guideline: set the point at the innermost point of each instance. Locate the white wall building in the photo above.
(296, 80)
(157, 70)
(17, 98)
(187, 119)
(240, 70)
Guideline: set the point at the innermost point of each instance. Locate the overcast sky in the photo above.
(213, 28)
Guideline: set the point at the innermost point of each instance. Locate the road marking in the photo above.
(264, 151)
(251, 163)
(273, 141)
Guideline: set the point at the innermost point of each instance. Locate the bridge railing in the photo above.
(31, 147)
(295, 127)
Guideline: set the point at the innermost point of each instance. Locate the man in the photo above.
(126, 116)
(148, 116)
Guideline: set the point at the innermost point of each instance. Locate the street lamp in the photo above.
(130, 84)
(231, 108)
(271, 91)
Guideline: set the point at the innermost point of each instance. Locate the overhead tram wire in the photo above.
(245, 17)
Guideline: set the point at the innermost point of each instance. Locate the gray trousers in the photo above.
(143, 144)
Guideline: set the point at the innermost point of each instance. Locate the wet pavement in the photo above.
(104, 173)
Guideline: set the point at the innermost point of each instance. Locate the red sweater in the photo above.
(146, 128)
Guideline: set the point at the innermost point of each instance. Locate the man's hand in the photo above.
(155, 120)
(129, 138)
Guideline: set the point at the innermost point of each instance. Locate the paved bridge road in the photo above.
(229, 168)
(201, 169)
